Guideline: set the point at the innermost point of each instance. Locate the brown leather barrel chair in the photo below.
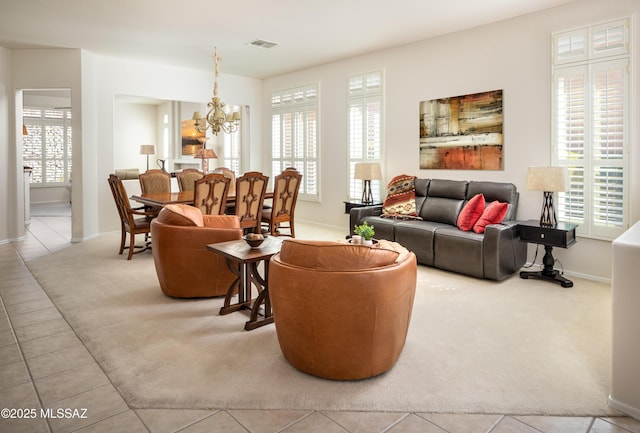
(186, 269)
(342, 311)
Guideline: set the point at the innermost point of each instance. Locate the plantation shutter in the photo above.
(364, 135)
(591, 123)
(294, 136)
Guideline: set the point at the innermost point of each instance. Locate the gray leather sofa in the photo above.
(436, 240)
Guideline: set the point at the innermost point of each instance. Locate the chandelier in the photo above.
(217, 119)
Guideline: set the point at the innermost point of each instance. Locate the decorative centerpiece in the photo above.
(366, 232)
(254, 239)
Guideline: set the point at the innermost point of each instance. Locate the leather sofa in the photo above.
(342, 311)
(437, 241)
(179, 238)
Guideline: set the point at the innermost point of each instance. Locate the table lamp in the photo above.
(548, 180)
(205, 155)
(367, 171)
(147, 149)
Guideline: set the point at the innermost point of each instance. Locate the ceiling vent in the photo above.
(262, 43)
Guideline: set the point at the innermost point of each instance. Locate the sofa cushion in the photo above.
(181, 215)
(444, 201)
(335, 256)
(401, 197)
(471, 212)
(493, 214)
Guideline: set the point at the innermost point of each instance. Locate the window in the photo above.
(232, 146)
(364, 134)
(47, 145)
(294, 136)
(591, 94)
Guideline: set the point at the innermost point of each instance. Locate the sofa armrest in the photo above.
(358, 214)
(504, 253)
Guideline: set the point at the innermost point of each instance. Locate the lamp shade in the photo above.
(368, 171)
(206, 154)
(147, 149)
(547, 179)
(196, 115)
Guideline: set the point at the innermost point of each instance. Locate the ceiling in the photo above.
(185, 32)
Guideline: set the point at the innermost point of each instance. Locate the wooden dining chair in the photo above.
(210, 194)
(232, 177)
(250, 190)
(285, 196)
(187, 178)
(129, 222)
(155, 180)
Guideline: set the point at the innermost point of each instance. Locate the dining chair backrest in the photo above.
(187, 178)
(154, 181)
(232, 177)
(285, 195)
(210, 194)
(250, 190)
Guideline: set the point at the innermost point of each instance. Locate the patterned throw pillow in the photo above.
(401, 198)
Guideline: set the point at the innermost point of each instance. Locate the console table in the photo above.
(563, 235)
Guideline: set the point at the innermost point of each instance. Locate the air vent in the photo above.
(263, 44)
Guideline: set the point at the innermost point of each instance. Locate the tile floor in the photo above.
(51, 383)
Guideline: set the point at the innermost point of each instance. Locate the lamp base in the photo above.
(548, 215)
(367, 196)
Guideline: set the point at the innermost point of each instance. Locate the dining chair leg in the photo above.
(132, 245)
(123, 239)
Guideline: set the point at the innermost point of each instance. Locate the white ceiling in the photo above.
(185, 32)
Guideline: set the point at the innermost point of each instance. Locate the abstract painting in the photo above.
(462, 132)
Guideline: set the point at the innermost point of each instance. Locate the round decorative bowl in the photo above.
(253, 243)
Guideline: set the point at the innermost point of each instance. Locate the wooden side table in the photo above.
(563, 235)
(243, 261)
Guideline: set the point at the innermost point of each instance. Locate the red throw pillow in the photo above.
(471, 212)
(493, 214)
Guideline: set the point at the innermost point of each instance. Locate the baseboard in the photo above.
(568, 273)
(622, 407)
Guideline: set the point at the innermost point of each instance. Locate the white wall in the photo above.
(134, 124)
(7, 167)
(514, 55)
(94, 82)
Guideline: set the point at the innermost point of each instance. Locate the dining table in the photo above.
(161, 199)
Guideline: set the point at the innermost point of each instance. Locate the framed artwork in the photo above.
(462, 132)
(191, 139)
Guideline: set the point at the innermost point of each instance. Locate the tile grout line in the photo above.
(24, 361)
(74, 333)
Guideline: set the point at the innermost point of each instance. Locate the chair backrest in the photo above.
(285, 194)
(210, 195)
(250, 190)
(232, 177)
(155, 180)
(187, 178)
(121, 199)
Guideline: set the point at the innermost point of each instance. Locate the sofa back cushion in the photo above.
(422, 187)
(334, 256)
(181, 215)
(444, 201)
(500, 191)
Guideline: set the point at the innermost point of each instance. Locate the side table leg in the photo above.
(548, 273)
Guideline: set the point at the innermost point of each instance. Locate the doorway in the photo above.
(47, 149)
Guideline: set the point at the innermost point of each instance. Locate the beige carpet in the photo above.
(517, 347)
